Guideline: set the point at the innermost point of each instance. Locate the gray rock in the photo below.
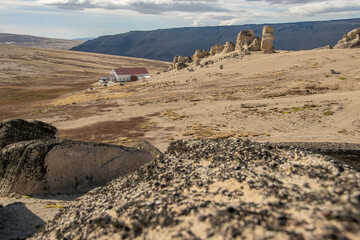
(17, 130)
(47, 165)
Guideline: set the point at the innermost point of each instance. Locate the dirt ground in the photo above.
(281, 97)
(286, 96)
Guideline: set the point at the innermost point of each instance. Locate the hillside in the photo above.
(212, 181)
(164, 44)
(29, 76)
(39, 42)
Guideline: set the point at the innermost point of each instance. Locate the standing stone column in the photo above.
(267, 39)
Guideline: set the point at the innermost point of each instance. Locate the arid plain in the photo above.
(280, 97)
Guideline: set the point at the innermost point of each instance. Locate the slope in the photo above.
(40, 42)
(164, 44)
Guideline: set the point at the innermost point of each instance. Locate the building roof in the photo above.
(131, 71)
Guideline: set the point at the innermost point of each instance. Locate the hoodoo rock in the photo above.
(46, 165)
(350, 40)
(267, 39)
(229, 47)
(216, 49)
(244, 39)
(200, 54)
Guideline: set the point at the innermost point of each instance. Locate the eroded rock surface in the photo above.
(216, 49)
(17, 130)
(221, 189)
(244, 39)
(228, 47)
(350, 40)
(267, 39)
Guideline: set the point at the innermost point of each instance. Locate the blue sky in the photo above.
(71, 19)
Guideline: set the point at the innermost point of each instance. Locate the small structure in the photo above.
(128, 74)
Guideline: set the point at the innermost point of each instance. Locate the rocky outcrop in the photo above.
(228, 47)
(216, 49)
(244, 39)
(350, 40)
(180, 65)
(267, 39)
(255, 44)
(200, 54)
(49, 165)
(18, 130)
(221, 189)
(180, 62)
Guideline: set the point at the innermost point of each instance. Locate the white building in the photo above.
(128, 74)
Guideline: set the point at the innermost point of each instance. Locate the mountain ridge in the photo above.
(36, 41)
(164, 44)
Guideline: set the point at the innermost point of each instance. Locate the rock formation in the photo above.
(350, 40)
(180, 62)
(200, 54)
(41, 164)
(267, 39)
(255, 44)
(228, 47)
(221, 189)
(216, 49)
(244, 39)
(18, 130)
(245, 42)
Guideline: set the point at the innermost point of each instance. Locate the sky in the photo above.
(71, 19)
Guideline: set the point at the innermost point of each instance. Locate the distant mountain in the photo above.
(164, 44)
(39, 42)
(83, 39)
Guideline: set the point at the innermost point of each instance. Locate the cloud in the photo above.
(326, 7)
(286, 1)
(140, 6)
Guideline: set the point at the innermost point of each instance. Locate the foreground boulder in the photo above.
(350, 40)
(221, 189)
(17, 130)
(47, 166)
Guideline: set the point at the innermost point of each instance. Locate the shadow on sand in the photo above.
(18, 222)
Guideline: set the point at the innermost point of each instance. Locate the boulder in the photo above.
(180, 62)
(17, 130)
(216, 49)
(228, 47)
(267, 39)
(155, 152)
(50, 166)
(180, 65)
(200, 54)
(350, 40)
(244, 39)
(255, 44)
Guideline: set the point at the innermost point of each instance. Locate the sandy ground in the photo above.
(280, 97)
(286, 96)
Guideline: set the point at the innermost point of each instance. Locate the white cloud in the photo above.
(326, 7)
(141, 6)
